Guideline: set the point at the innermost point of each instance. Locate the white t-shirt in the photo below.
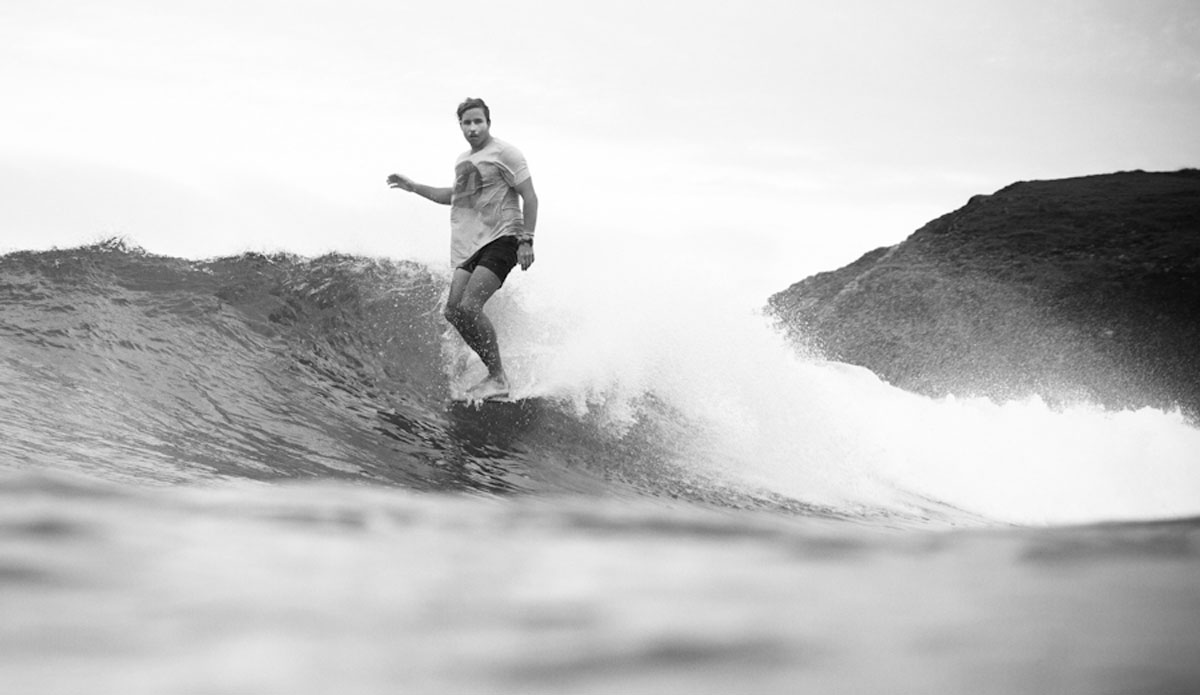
(484, 205)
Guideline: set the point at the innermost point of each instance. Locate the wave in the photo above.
(125, 365)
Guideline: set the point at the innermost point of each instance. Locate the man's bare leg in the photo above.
(469, 291)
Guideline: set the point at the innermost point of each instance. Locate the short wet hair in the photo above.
(474, 103)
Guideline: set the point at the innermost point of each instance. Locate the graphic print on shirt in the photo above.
(468, 183)
(485, 204)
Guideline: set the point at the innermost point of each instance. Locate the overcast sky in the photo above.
(761, 140)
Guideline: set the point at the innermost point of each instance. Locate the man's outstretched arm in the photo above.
(437, 195)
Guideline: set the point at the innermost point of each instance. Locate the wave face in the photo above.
(134, 367)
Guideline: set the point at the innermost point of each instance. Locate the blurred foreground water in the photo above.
(320, 587)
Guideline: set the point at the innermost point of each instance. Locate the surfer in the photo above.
(493, 213)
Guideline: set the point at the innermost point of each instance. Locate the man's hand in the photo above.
(402, 182)
(525, 255)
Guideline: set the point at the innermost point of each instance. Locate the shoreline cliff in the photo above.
(1079, 289)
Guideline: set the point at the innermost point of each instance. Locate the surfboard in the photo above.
(516, 395)
(464, 398)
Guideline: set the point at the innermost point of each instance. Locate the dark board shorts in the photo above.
(499, 257)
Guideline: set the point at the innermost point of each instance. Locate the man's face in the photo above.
(475, 127)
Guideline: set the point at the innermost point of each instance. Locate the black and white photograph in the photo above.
(577, 348)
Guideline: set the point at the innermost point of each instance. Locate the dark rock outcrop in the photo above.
(1075, 289)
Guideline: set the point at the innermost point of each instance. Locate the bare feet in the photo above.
(491, 387)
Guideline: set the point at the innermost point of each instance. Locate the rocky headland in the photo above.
(1081, 289)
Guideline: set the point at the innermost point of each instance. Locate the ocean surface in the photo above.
(248, 475)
